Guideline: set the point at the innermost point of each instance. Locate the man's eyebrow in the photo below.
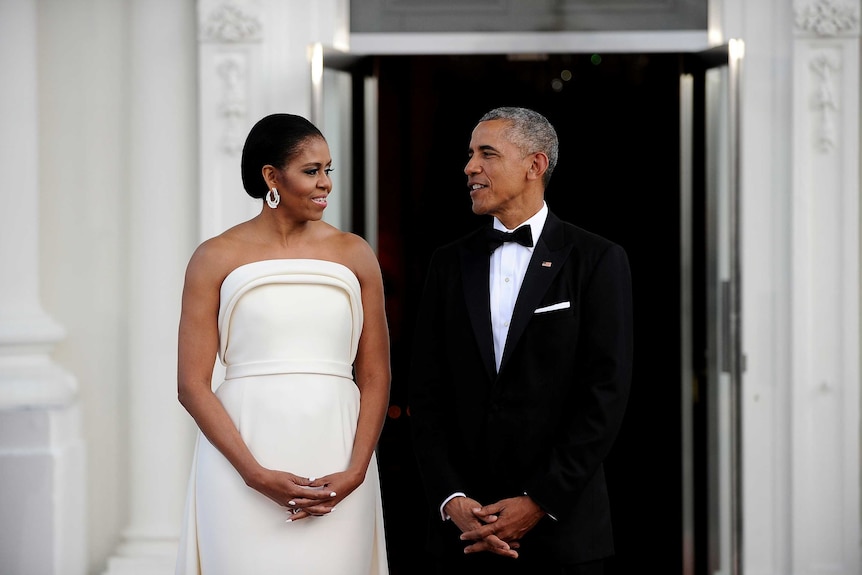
(484, 148)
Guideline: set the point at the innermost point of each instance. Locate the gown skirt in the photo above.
(288, 332)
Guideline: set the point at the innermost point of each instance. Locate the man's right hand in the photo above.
(462, 511)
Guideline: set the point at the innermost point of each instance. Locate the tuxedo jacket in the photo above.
(545, 422)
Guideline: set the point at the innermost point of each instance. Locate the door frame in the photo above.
(355, 63)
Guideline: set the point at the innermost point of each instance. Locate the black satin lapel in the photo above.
(547, 261)
(475, 267)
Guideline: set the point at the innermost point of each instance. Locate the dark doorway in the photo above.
(617, 116)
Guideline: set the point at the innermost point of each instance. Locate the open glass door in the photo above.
(344, 107)
(711, 281)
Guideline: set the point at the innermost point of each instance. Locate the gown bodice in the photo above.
(289, 316)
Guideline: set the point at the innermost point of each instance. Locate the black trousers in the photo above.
(482, 563)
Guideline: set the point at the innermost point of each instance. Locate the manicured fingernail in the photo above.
(288, 520)
(332, 494)
(291, 502)
(312, 478)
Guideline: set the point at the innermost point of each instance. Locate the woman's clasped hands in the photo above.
(306, 496)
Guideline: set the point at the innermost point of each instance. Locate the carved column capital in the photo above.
(228, 22)
(827, 18)
(228, 29)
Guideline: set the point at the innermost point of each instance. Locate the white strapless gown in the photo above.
(289, 331)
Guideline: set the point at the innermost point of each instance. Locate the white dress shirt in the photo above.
(508, 267)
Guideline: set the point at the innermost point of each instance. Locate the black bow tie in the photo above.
(496, 238)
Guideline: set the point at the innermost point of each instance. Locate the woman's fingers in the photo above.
(319, 510)
(297, 513)
(309, 495)
(314, 501)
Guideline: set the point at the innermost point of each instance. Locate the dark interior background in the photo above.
(617, 116)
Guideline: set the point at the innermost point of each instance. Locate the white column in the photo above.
(232, 81)
(825, 287)
(162, 188)
(253, 60)
(42, 511)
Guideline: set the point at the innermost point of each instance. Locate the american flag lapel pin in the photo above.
(546, 264)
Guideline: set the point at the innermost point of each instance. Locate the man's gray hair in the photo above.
(531, 132)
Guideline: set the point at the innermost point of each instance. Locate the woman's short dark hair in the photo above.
(273, 140)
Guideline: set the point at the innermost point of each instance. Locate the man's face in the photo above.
(497, 170)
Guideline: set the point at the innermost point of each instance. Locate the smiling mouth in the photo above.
(321, 200)
(475, 187)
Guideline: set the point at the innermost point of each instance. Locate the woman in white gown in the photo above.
(294, 310)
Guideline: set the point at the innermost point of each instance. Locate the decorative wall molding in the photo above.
(825, 104)
(827, 17)
(229, 23)
(824, 291)
(233, 107)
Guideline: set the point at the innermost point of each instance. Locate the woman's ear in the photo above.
(269, 174)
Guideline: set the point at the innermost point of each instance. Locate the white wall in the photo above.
(83, 109)
(117, 122)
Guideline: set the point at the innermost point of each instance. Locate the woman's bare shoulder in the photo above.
(356, 253)
(214, 258)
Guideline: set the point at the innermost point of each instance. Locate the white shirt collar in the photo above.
(537, 223)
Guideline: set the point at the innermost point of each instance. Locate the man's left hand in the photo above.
(508, 519)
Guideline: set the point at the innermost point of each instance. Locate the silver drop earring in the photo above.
(272, 198)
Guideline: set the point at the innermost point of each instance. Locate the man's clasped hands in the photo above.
(497, 528)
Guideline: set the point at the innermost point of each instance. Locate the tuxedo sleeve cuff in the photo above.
(447, 500)
(540, 505)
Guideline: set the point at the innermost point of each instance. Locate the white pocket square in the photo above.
(553, 307)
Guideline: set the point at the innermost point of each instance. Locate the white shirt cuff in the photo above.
(447, 500)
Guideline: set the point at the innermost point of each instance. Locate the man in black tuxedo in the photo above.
(520, 371)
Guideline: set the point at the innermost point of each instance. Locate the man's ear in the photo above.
(538, 166)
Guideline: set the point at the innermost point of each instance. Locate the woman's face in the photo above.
(304, 183)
